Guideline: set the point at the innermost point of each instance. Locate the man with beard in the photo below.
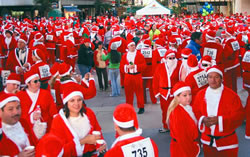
(184, 69)
(17, 137)
(165, 76)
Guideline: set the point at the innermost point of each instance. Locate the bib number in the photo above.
(201, 79)
(147, 53)
(5, 74)
(246, 57)
(211, 52)
(49, 37)
(235, 45)
(162, 52)
(142, 148)
(44, 71)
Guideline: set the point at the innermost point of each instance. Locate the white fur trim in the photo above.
(30, 78)
(181, 90)
(200, 123)
(186, 56)
(23, 41)
(85, 82)
(130, 44)
(247, 137)
(210, 37)
(228, 33)
(124, 124)
(206, 62)
(9, 99)
(170, 54)
(67, 73)
(214, 70)
(227, 147)
(75, 93)
(220, 122)
(31, 118)
(232, 67)
(158, 94)
(35, 54)
(16, 69)
(13, 81)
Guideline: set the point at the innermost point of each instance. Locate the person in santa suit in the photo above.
(18, 139)
(8, 45)
(219, 113)
(41, 68)
(206, 62)
(50, 43)
(133, 64)
(49, 146)
(213, 49)
(182, 123)
(37, 104)
(129, 142)
(197, 78)
(71, 54)
(39, 44)
(165, 76)
(12, 84)
(244, 36)
(186, 39)
(231, 60)
(75, 125)
(158, 53)
(246, 85)
(184, 69)
(147, 75)
(20, 60)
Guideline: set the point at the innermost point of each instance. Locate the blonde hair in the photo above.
(174, 103)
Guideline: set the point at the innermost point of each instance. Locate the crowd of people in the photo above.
(189, 63)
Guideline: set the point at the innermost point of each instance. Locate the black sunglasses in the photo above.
(205, 65)
(184, 57)
(36, 81)
(171, 58)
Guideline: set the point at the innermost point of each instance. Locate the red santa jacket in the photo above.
(44, 100)
(7, 48)
(71, 49)
(231, 53)
(197, 80)
(50, 40)
(13, 61)
(158, 54)
(243, 38)
(9, 148)
(41, 46)
(230, 115)
(246, 69)
(43, 70)
(183, 143)
(214, 50)
(133, 145)
(148, 55)
(119, 42)
(163, 82)
(62, 129)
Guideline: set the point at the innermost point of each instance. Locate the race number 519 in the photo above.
(142, 148)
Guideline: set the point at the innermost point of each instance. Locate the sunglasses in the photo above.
(171, 58)
(205, 65)
(184, 58)
(36, 81)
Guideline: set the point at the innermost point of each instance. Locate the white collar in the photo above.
(194, 69)
(5, 90)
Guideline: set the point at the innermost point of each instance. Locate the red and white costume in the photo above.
(158, 54)
(50, 43)
(71, 52)
(8, 45)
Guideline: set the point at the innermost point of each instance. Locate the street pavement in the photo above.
(150, 121)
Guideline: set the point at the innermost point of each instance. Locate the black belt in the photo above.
(158, 61)
(149, 63)
(166, 87)
(217, 138)
(134, 73)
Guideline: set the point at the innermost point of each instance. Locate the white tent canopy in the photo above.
(153, 8)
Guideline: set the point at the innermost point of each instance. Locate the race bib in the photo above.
(235, 45)
(44, 71)
(246, 57)
(178, 41)
(5, 74)
(162, 52)
(147, 53)
(211, 52)
(201, 79)
(49, 37)
(58, 33)
(53, 93)
(142, 148)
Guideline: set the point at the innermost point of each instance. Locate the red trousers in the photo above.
(230, 79)
(133, 84)
(52, 57)
(213, 152)
(148, 83)
(247, 109)
(122, 79)
(164, 108)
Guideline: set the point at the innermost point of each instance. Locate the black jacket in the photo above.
(85, 56)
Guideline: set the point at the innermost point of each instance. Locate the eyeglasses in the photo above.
(171, 58)
(184, 58)
(36, 81)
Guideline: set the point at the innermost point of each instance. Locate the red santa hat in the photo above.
(50, 146)
(159, 43)
(169, 52)
(29, 75)
(38, 37)
(216, 69)
(23, 38)
(131, 42)
(14, 78)
(211, 34)
(87, 40)
(206, 60)
(116, 31)
(6, 98)
(147, 42)
(180, 87)
(192, 61)
(172, 41)
(39, 54)
(70, 92)
(95, 29)
(229, 32)
(65, 69)
(174, 31)
(54, 70)
(223, 33)
(125, 116)
(186, 52)
(145, 37)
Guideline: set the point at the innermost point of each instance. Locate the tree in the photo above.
(44, 6)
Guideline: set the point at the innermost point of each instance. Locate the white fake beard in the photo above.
(171, 65)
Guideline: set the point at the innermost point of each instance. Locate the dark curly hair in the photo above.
(66, 109)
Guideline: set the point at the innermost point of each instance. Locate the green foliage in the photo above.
(176, 10)
(44, 6)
